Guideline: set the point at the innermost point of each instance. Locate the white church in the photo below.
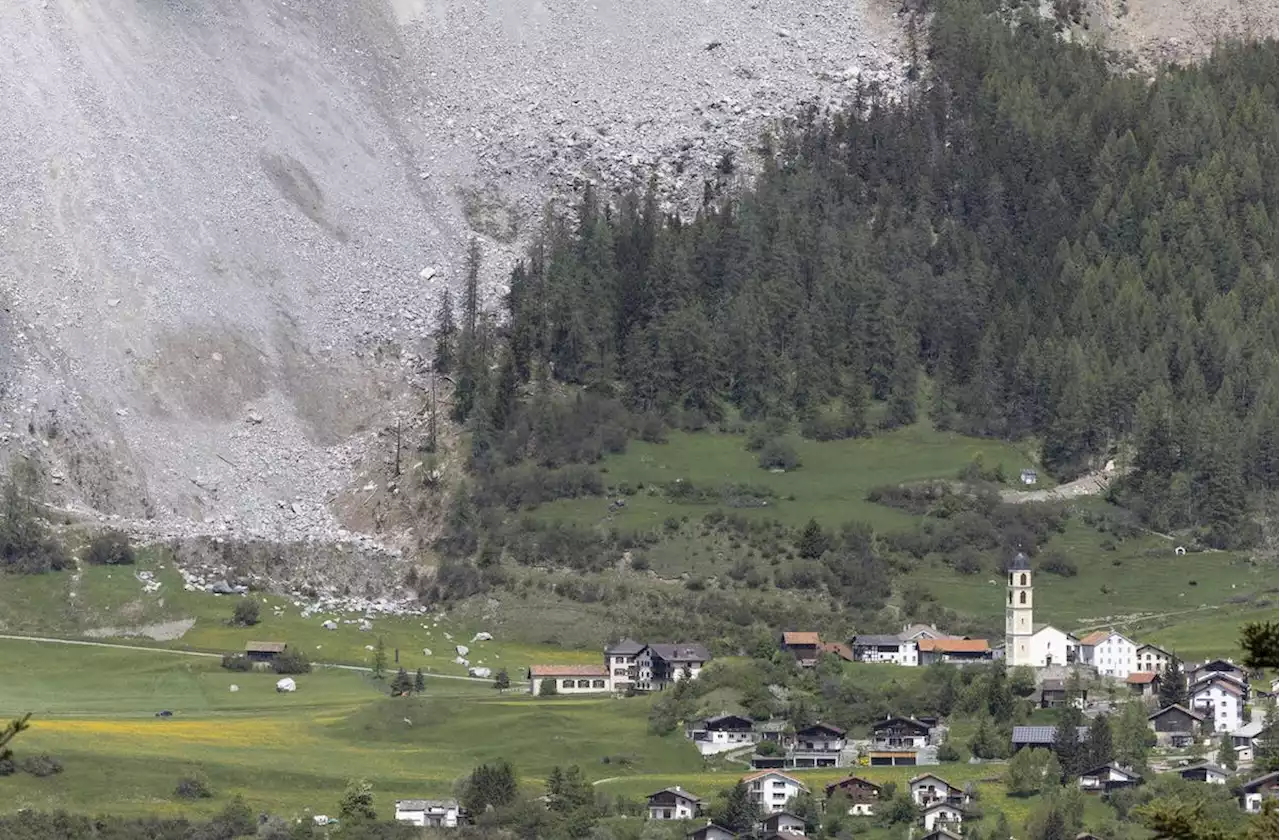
(1025, 642)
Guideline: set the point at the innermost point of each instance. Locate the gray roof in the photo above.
(425, 804)
(877, 641)
(1042, 734)
(1254, 784)
(626, 647)
(1053, 685)
(1110, 768)
(681, 652)
(1252, 729)
(1180, 708)
(675, 791)
(1020, 563)
(1204, 765)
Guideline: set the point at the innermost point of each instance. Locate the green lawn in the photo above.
(831, 485)
(1141, 576)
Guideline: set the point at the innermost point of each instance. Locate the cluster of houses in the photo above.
(628, 667)
(895, 741)
(942, 805)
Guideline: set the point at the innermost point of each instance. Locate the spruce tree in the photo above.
(813, 541)
(1066, 741)
(446, 334)
(1173, 684)
(401, 684)
(419, 682)
(378, 671)
(1098, 748)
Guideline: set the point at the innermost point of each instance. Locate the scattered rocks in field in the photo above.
(426, 651)
(480, 672)
(329, 624)
(462, 650)
(286, 685)
(482, 636)
(234, 688)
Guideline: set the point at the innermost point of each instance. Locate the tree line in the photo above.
(1024, 244)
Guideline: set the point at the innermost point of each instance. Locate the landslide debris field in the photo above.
(225, 226)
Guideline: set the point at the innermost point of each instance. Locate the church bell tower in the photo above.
(1017, 614)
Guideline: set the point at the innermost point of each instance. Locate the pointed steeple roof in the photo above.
(1020, 563)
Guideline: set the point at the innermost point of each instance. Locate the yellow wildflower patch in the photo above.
(240, 732)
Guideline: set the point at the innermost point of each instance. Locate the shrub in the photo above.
(291, 661)
(547, 688)
(948, 752)
(640, 563)
(41, 765)
(237, 662)
(110, 549)
(193, 787)
(7, 767)
(779, 454)
(246, 613)
(1057, 563)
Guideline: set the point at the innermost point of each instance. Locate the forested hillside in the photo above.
(1056, 252)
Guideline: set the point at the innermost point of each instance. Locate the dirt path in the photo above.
(1093, 484)
(214, 655)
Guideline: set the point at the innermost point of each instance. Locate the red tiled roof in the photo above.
(839, 649)
(536, 671)
(802, 639)
(954, 645)
(1093, 638)
(1140, 678)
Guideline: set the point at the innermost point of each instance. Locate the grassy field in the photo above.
(293, 753)
(831, 485)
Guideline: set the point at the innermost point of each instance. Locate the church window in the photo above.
(1024, 578)
(1022, 597)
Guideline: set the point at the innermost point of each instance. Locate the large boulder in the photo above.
(482, 636)
(463, 650)
(480, 672)
(286, 684)
(330, 624)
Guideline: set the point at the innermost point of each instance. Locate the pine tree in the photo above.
(904, 388)
(813, 541)
(1098, 748)
(378, 671)
(501, 680)
(1066, 741)
(740, 813)
(419, 682)
(1173, 684)
(401, 684)
(1132, 737)
(446, 335)
(1227, 752)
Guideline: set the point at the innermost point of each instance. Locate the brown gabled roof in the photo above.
(1227, 684)
(1093, 638)
(536, 671)
(839, 649)
(1141, 678)
(802, 639)
(1180, 708)
(850, 780)
(954, 645)
(264, 647)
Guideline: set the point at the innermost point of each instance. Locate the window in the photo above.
(1022, 597)
(597, 683)
(584, 683)
(566, 683)
(1024, 578)
(1010, 597)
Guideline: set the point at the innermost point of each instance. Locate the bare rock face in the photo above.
(225, 225)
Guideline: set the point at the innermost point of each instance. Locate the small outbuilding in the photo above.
(264, 651)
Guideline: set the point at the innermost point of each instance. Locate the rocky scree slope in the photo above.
(223, 227)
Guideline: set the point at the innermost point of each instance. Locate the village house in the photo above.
(432, 813)
(804, 646)
(264, 652)
(1220, 698)
(954, 651)
(1205, 772)
(891, 649)
(1253, 792)
(722, 733)
(711, 831)
(861, 795)
(817, 745)
(773, 789)
(1224, 667)
(916, 632)
(660, 665)
(1040, 736)
(1144, 684)
(1112, 654)
(620, 659)
(1051, 646)
(1175, 726)
(941, 832)
(942, 815)
(898, 741)
(1108, 778)
(782, 822)
(570, 679)
(928, 788)
(1054, 693)
(1152, 658)
(1245, 739)
(673, 803)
